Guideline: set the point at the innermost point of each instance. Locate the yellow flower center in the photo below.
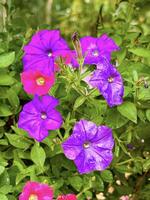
(40, 81)
(110, 79)
(33, 197)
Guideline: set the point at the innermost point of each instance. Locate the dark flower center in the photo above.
(33, 197)
(110, 79)
(43, 115)
(86, 145)
(40, 81)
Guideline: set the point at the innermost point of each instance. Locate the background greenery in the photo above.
(21, 158)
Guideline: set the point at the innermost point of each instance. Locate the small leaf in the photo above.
(3, 197)
(114, 119)
(38, 155)
(2, 123)
(128, 110)
(7, 59)
(18, 141)
(13, 98)
(1, 169)
(107, 176)
(148, 114)
(79, 101)
(5, 110)
(144, 94)
(140, 52)
(146, 165)
(76, 182)
(6, 79)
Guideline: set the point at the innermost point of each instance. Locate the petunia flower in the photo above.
(109, 82)
(35, 82)
(95, 48)
(89, 146)
(39, 116)
(36, 191)
(43, 49)
(67, 197)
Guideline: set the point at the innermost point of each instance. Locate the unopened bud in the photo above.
(77, 45)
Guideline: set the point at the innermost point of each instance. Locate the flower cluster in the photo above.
(90, 146)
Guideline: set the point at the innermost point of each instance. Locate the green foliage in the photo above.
(23, 159)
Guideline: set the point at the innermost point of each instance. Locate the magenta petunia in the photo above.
(43, 49)
(89, 146)
(39, 116)
(35, 82)
(67, 197)
(109, 82)
(95, 48)
(36, 191)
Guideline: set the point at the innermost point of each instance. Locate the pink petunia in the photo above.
(35, 82)
(67, 197)
(36, 191)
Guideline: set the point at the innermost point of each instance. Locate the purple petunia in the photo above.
(39, 115)
(95, 48)
(90, 146)
(109, 82)
(43, 49)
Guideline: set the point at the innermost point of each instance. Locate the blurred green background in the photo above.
(84, 16)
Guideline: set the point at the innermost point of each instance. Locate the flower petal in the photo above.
(54, 120)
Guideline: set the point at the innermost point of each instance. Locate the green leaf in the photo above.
(79, 101)
(146, 165)
(114, 119)
(7, 59)
(3, 197)
(38, 155)
(144, 94)
(76, 182)
(140, 52)
(121, 55)
(2, 122)
(128, 110)
(6, 189)
(5, 110)
(1, 169)
(6, 79)
(13, 98)
(18, 141)
(107, 176)
(148, 114)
